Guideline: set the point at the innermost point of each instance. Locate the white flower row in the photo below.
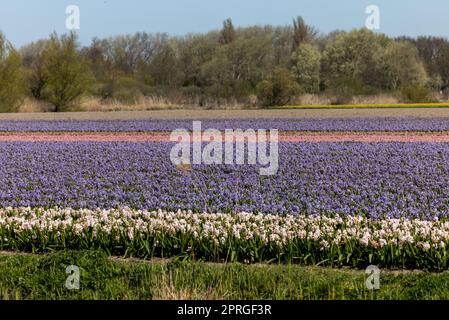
(219, 228)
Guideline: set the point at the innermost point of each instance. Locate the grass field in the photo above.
(43, 277)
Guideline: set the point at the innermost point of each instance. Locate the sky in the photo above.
(24, 21)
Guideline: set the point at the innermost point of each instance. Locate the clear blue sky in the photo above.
(24, 21)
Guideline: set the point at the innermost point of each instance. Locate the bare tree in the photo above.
(302, 33)
(228, 32)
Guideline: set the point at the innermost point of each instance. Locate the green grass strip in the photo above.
(43, 277)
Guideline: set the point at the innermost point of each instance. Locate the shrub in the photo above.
(415, 93)
(67, 75)
(346, 89)
(123, 89)
(279, 90)
(12, 88)
(341, 95)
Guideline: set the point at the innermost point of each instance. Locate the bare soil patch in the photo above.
(233, 114)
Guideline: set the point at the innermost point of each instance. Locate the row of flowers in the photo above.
(338, 240)
(291, 124)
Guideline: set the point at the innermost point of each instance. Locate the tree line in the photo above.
(262, 65)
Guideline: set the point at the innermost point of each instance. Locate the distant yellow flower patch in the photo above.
(371, 106)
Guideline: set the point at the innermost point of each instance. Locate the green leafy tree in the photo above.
(194, 52)
(306, 63)
(350, 59)
(33, 63)
(66, 73)
(164, 67)
(12, 88)
(398, 65)
(236, 69)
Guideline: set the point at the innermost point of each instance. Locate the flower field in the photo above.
(338, 240)
(338, 203)
(378, 180)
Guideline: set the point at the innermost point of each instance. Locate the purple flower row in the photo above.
(356, 124)
(376, 179)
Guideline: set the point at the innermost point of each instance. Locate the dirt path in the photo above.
(286, 137)
(232, 114)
